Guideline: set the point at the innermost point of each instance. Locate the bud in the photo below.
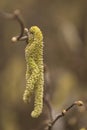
(79, 103)
(14, 39)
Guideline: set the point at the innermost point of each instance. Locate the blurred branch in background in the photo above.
(15, 16)
(78, 103)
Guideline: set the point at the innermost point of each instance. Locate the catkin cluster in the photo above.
(34, 71)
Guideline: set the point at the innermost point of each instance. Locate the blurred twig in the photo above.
(16, 15)
(76, 103)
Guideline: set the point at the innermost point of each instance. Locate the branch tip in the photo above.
(25, 30)
(17, 12)
(14, 39)
(79, 103)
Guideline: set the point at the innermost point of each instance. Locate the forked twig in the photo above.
(18, 18)
(76, 103)
(16, 15)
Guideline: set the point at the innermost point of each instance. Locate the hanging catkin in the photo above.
(34, 71)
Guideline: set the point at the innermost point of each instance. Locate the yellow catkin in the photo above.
(34, 72)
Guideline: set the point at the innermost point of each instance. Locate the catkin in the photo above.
(34, 72)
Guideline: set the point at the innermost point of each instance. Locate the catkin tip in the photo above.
(35, 114)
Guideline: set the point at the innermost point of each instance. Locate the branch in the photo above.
(18, 18)
(16, 15)
(76, 103)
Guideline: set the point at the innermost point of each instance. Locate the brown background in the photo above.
(64, 25)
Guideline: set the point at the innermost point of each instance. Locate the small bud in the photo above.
(64, 112)
(17, 12)
(14, 39)
(79, 103)
(26, 31)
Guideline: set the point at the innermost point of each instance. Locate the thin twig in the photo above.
(16, 15)
(18, 18)
(76, 103)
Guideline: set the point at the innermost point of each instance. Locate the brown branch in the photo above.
(76, 103)
(18, 18)
(16, 15)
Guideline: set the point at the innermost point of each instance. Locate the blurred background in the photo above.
(64, 26)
